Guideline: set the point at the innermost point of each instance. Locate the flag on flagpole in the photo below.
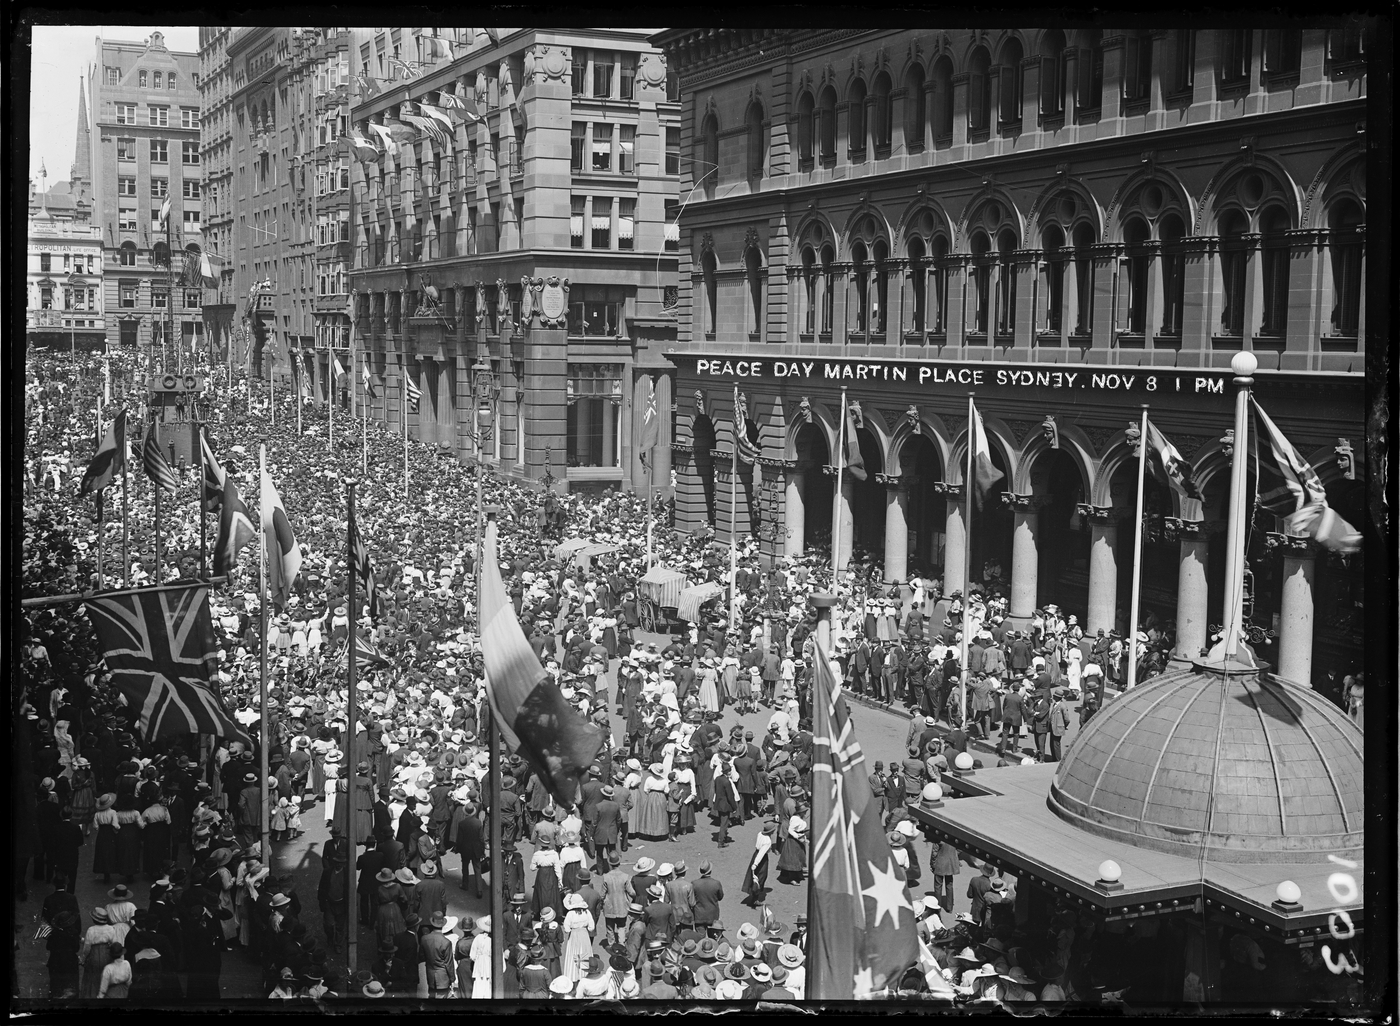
(213, 474)
(165, 211)
(367, 654)
(369, 85)
(159, 645)
(235, 528)
(369, 383)
(364, 570)
(110, 458)
(464, 105)
(649, 431)
(748, 449)
(861, 930)
(438, 115)
(855, 462)
(984, 473)
(1167, 464)
(153, 460)
(1288, 487)
(534, 719)
(362, 149)
(390, 146)
(283, 555)
(400, 65)
(413, 392)
(209, 269)
(337, 366)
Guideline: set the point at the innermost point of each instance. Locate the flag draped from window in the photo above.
(362, 149)
(209, 269)
(984, 474)
(747, 448)
(283, 556)
(1288, 487)
(235, 528)
(535, 720)
(153, 460)
(213, 475)
(649, 431)
(1167, 464)
(861, 931)
(855, 462)
(159, 645)
(110, 458)
(390, 146)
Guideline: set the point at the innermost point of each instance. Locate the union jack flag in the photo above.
(364, 570)
(367, 656)
(159, 645)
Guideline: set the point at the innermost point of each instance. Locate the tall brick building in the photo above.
(1069, 223)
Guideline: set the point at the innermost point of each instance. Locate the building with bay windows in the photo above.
(532, 231)
(1070, 223)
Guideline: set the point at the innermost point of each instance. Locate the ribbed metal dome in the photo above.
(1253, 767)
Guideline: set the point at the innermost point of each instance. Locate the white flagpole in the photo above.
(648, 457)
(734, 514)
(403, 403)
(1244, 365)
(969, 485)
(1137, 556)
(263, 729)
(836, 504)
(330, 426)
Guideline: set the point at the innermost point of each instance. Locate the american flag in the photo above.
(159, 645)
(861, 933)
(156, 465)
(413, 391)
(748, 449)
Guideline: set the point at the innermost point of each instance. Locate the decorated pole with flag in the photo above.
(263, 728)
(162, 477)
(981, 475)
(337, 372)
(235, 528)
(734, 514)
(861, 931)
(837, 516)
(647, 438)
(284, 557)
(412, 393)
(352, 724)
(1289, 488)
(1142, 446)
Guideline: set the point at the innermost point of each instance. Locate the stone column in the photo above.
(843, 515)
(896, 527)
(1025, 556)
(794, 511)
(1103, 567)
(954, 538)
(1295, 629)
(1192, 591)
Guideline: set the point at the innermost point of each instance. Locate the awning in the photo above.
(688, 608)
(663, 586)
(602, 223)
(583, 555)
(565, 549)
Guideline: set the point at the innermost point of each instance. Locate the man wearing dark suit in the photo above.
(878, 656)
(607, 819)
(860, 661)
(366, 866)
(590, 794)
(1020, 655)
(708, 893)
(590, 894)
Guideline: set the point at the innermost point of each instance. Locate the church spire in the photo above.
(79, 174)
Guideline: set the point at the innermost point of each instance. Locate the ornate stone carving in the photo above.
(1024, 503)
(890, 479)
(527, 298)
(804, 409)
(1227, 443)
(1051, 431)
(702, 403)
(553, 301)
(1099, 436)
(751, 238)
(1133, 436)
(480, 298)
(947, 489)
(1176, 529)
(911, 417)
(857, 414)
(551, 62)
(1289, 545)
(1346, 462)
(707, 242)
(1097, 514)
(651, 69)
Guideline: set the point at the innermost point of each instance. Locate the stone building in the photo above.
(145, 148)
(1069, 223)
(216, 159)
(530, 235)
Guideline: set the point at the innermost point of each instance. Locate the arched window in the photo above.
(828, 291)
(1006, 283)
(160, 255)
(826, 115)
(1052, 244)
(1089, 101)
(938, 323)
(1084, 281)
(981, 281)
(1345, 221)
(1233, 262)
(708, 269)
(882, 285)
(1170, 231)
(860, 268)
(881, 114)
(979, 90)
(753, 277)
(757, 145)
(918, 280)
(915, 109)
(856, 109)
(126, 256)
(1273, 227)
(709, 149)
(1135, 238)
(942, 100)
(1052, 74)
(808, 323)
(806, 130)
(1009, 82)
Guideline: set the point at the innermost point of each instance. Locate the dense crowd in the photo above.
(185, 816)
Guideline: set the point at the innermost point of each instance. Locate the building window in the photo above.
(826, 116)
(158, 298)
(1273, 227)
(578, 139)
(1234, 56)
(942, 100)
(128, 294)
(1052, 74)
(628, 80)
(170, 81)
(191, 188)
(189, 153)
(673, 87)
(189, 117)
(938, 323)
(1090, 99)
(1234, 258)
(126, 113)
(126, 150)
(578, 209)
(1185, 60)
(595, 311)
(709, 269)
(979, 91)
(160, 151)
(1283, 50)
(1009, 83)
(578, 71)
(45, 297)
(981, 282)
(1052, 243)
(1171, 232)
(602, 146)
(753, 279)
(126, 220)
(673, 151)
(672, 230)
(1345, 222)
(860, 271)
(159, 116)
(193, 299)
(915, 109)
(126, 186)
(1137, 74)
(602, 222)
(191, 220)
(757, 139)
(881, 126)
(160, 255)
(626, 222)
(1135, 238)
(626, 146)
(1346, 46)
(160, 187)
(856, 120)
(602, 78)
(709, 150)
(45, 262)
(806, 130)
(595, 405)
(113, 76)
(141, 79)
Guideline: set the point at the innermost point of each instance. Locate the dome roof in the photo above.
(1253, 767)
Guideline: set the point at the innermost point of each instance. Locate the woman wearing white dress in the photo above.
(578, 937)
(709, 686)
(1075, 658)
(481, 959)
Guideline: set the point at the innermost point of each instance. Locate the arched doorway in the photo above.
(927, 515)
(1062, 540)
(703, 433)
(813, 454)
(868, 501)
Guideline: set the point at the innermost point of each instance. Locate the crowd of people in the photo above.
(184, 815)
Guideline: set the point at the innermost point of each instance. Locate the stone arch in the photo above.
(1118, 453)
(812, 222)
(884, 434)
(862, 210)
(932, 427)
(1041, 213)
(1073, 442)
(920, 205)
(978, 38)
(1210, 460)
(1324, 183)
(999, 437)
(1212, 196)
(822, 419)
(1135, 182)
(1011, 217)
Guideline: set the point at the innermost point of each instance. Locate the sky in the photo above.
(61, 55)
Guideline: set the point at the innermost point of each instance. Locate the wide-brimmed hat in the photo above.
(790, 956)
(575, 901)
(656, 891)
(120, 893)
(405, 876)
(385, 875)
(428, 869)
(645, 864)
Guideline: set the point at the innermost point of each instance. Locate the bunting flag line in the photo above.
(534, 719)
(283, 555)
(1288, 487)
(984, 473)
(861, 928)
(400, 65)
(213, 475)
(157, 467)
(235, 529)
(438, 115)
(1168, 465)
(110, 458)
(387, 138)
(159, 645)
(464, 105)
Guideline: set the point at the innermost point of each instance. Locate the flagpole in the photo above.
(101, 564)
(330, 425)
(647, 458)
(498, 895)
(403, 405)
(836, 505)
(1244, 365)
(126, 488)
(263, 728)
(734, 515)
(1137, 555)
(816, 983)
(155, 489)
(352, 716)
(968, 488)
(301, 389)
(199, 508)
